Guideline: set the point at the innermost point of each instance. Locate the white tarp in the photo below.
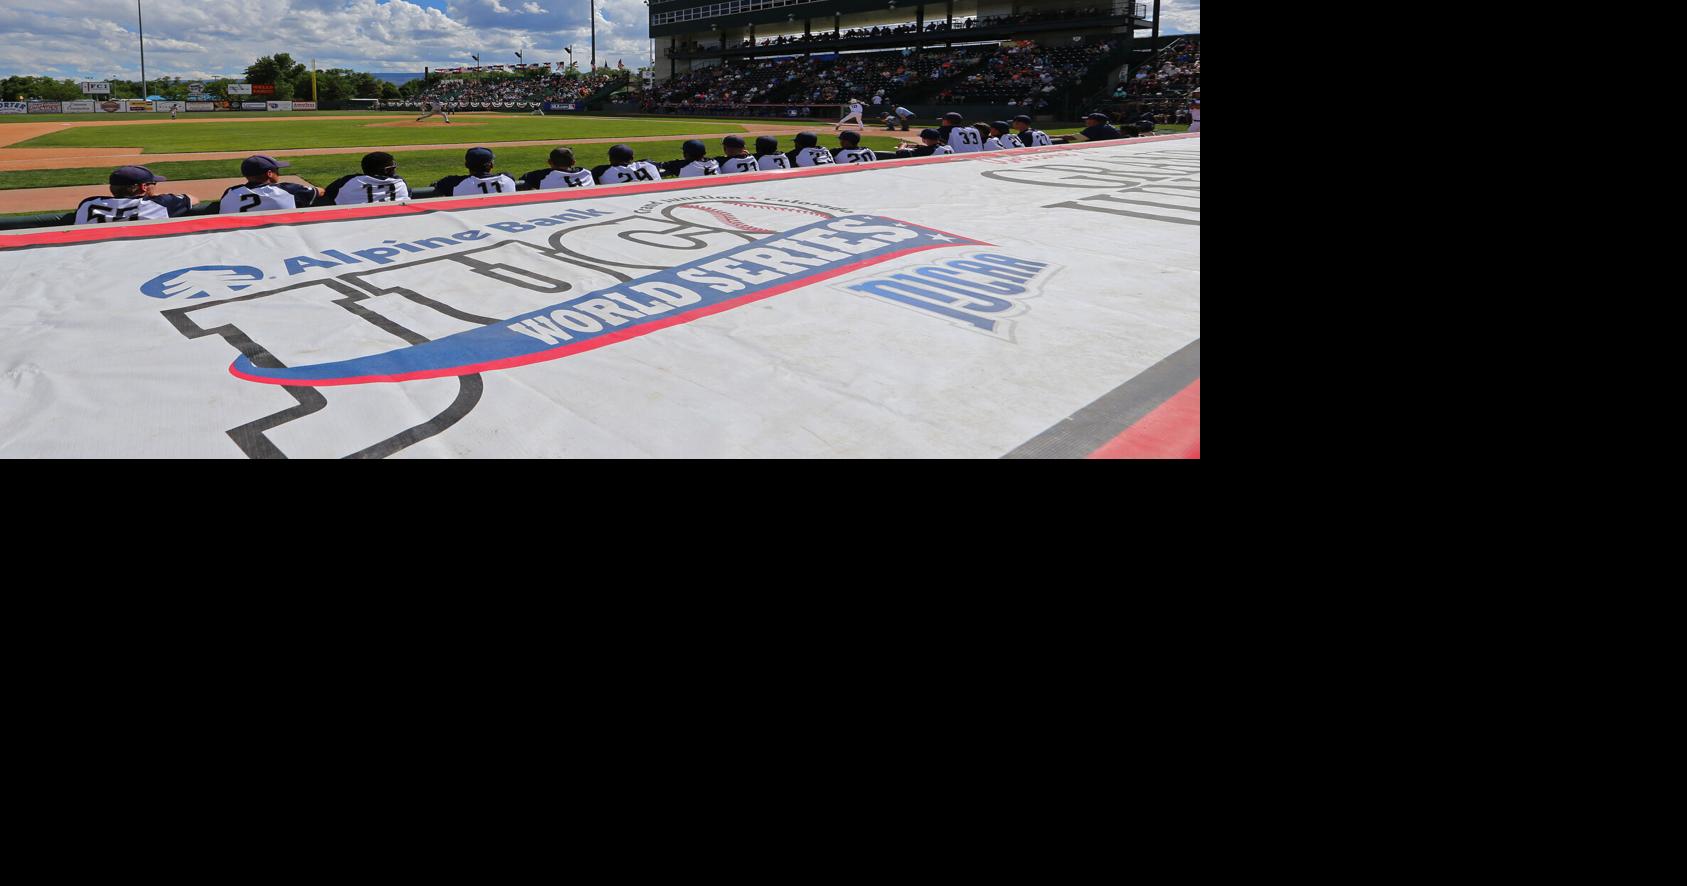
(943, 307)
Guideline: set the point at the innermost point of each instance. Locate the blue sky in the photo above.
(96, 39)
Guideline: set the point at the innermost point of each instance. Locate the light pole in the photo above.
(142, 23)
(594, 33)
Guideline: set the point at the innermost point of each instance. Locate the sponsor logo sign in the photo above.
(761, 316)
(114, 107)
(166, 107)
(96, 88)
(263, 89)
(201, 106)
(240, 89)
(139, 105)
(14, 108)
(304, 106)
(254, 106)
(278, 106)
(46, 107)
(81, 107)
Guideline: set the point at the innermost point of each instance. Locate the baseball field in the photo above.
(49, 163)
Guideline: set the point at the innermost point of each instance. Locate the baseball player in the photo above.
(264, 190)
(768, 156)
(1195, 115)
(1028, 137)
(480, 180)
(379, 183)
(962, 139)
(1001, 137)
(172, 112)
(850, 150)
(622, 169)
(132, 198)
(1100, 129)
(696, 162)
(897, 115)
(935, 143)
(854, 114)
(430, 108)
(808, 151)
(736, 159)
(561, 174)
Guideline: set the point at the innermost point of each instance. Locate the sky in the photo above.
(202, 39)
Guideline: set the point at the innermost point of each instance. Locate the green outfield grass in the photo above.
(168, 138)
(195, 115)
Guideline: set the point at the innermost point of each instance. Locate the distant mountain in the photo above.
(400, 79)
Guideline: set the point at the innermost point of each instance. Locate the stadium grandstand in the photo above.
(983, 58)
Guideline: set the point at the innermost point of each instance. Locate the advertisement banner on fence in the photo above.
(136, 105)
(841, 311)
(561, 106)
(304, 106)
(263, 89)
(201, 97)
(201, 106)
(14, 108)
(279, 106)
(166, 107)
(92, 88)
(81, 107)
(114, 107)
(254, 106)
(46, 107)
(240, 89)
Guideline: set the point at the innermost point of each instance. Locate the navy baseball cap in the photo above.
(478, 157)
(732, 142)
(1022, 118)
(1097, 115)
(258, 164)
(1000, 126)
(694, 148)
(930, 133)
(134, 175)
(953, 115)
(849, 136)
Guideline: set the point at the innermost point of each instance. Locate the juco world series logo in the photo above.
(597, 279)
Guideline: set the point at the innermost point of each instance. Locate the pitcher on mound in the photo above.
(431, 108)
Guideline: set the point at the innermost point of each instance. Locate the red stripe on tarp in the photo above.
(1172, 430)
(132, 231)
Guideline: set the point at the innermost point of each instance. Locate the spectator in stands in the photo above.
(132, 198)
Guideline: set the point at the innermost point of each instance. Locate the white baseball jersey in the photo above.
(636, 171)
(855, 109)
(1032, 138)
(773, 161)
(1195, 113)
(992, 144)
(1009, 141)
(491, 184)
(814, 157)
(733, 165)
(695, 168)
(370, 189)
(100, 210)
(854, 155)
(245, 198)
(558, 178)
(965, 139)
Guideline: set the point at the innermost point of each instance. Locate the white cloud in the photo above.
(206, 38)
